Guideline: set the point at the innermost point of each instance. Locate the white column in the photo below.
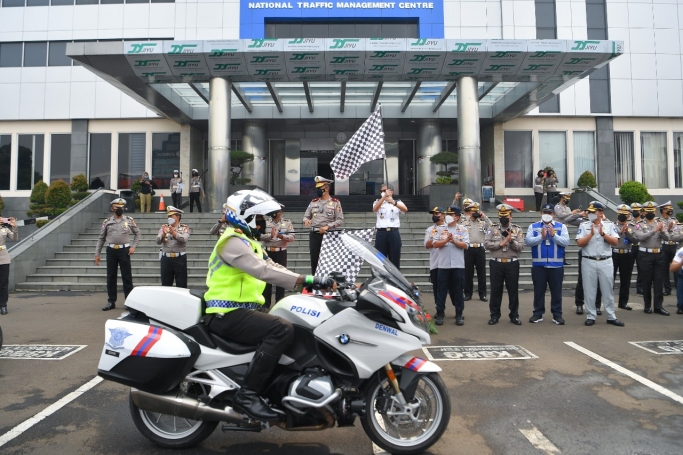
(219, 143)
(469, 149)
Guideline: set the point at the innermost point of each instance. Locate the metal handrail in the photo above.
(604, 200)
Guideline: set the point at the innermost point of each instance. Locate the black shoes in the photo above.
(535, 319)
(250, 403)
(625, 307)
(677, 312)
(516, 321)
(639, 291)
(616, 322)
(3, 310)
(438, 319)
(667, 292)
(483, 298)
(468, 297)
(598, 311)
(647, 311)
(493, 320)
(109, 306)
(558, 320)
(579, 309)
(567, 263)
(662, 311)
(459, 319)
(590, 322)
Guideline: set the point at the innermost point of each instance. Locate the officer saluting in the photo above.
(323, 213)
(279, 233)
(650, 235)
(622, 255)
(219, 227)
(115, 234)
(475, 256)
(505, 241)
(173, 238)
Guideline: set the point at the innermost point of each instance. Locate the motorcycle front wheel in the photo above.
(409, 429)
(170, 431)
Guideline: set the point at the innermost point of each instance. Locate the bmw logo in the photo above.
(344, 338)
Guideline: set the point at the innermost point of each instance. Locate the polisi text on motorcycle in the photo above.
(304, 310)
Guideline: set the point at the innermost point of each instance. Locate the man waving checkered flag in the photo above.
(365, 145)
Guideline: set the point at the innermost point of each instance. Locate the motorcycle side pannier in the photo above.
(149, 358)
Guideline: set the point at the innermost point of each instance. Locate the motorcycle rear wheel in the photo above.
(170, 431)
(407, 434)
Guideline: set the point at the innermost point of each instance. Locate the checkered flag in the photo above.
(335, 257)
(365, 145)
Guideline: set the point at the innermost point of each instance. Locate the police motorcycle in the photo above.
(349, 360)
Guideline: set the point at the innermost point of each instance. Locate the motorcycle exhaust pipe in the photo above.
(183, 406)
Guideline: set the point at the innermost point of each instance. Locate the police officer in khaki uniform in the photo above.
(173, 238)
(622, 255)
(278, 235)
(505, 241)
(650, 235)
(196, 191)
(475, 255)
(218, 228)
(9, 230)
(323, 213)
(176, 190)
(115, 234)
(636, 210)
(670, 246)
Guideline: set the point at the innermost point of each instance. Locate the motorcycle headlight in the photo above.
(418, 318)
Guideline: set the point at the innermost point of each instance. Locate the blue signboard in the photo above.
(254, 15)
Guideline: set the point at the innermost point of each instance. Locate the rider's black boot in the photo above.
(248, 399)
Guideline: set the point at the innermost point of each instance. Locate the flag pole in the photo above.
(386, 170)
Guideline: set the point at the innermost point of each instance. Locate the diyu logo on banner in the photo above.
(427, 15)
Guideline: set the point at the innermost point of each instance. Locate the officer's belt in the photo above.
(475, 245)
(275, 249)
(173, 255)
(597, 258)
(116, 247)
(650, 250)
(504, 259)
(389, 229)
(315, 230)
(2, 247)
(669, 243)
(620, 251)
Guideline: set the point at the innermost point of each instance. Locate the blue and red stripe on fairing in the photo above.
(144, 346)
(415, 363)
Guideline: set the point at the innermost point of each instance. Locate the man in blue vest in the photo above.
(238, 272)
(547, 239)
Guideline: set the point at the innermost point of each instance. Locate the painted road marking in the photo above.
(505, 352)
(660, 347)
(377, 450)
(39, 351)
(47, 412)
(539, 441)
(629, 373)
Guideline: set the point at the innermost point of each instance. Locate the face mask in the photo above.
(195, 175)
(146, 176)
(650, 216)
(636, 214)
(119, 211)
(175, 175)
(170, 221)
(546, 217)
(449, 219)
(504, 220)
(669, 212)
(436, 219)
(476, 215)
(383, 193)
(592, 217)
(622, 218)
(320, 192)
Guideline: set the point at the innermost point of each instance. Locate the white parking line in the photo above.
(26, 424)
(539, 441)
(377, 450)
(629, 373)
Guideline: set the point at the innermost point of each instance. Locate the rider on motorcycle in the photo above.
(238, 272)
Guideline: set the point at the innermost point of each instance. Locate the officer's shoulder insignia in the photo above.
(315, 200)
(517, 226)
(285, 220)
(334, 199)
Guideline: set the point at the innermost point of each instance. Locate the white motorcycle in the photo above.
(349, 359)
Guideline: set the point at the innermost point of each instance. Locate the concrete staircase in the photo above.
(74, 269)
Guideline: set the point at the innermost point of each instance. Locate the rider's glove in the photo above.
(318, 282)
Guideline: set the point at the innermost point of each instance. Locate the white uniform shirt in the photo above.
(597, 246)
(679, 256)
(387, 215)
(453, 257)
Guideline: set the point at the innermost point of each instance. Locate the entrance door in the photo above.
(406, 167)
(314, 163)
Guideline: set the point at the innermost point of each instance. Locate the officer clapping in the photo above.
(173, 238)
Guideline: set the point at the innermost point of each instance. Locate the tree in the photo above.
(79, 185)
(445, 159)
(587, 180)
(633, 191)
(238, 159)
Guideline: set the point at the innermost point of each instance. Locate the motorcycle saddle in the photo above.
(232, 347)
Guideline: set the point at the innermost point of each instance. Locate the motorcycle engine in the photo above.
(310, 389)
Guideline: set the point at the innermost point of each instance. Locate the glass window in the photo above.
(449, 145)
(60, 157)
(5, 160)
(165, 157)
(57, 55)
(600, 91)
(625, 162)
(552, 106)
(137, 1)
(518, 160)
(10, 54)
(37, 2)
(654, 160)
(8, 3)
(35, 54)
(678, 159)
(61, 2)
(368, 178)
(546, 24)
(552, 151)
(100, 161)
(163, 1)
(110, 2)
(584, 153)
(87, 2)
(132, 150)
(30, 160)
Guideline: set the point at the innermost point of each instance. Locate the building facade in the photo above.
(622, 122)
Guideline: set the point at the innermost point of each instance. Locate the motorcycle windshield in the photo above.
(381, 266)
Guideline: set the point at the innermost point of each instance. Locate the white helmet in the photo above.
(243, 206)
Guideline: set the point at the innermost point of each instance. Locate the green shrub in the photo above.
(444, 180)
(240, 182)
(80, 196)
(38, 193)
(633, 191)
(680, 204)
(58, 195)
(2, 204)
(41, 223)
(587, 179)
(447, 160)
(136, 187)
(79, 184)
(238, 159)
(679, 217)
